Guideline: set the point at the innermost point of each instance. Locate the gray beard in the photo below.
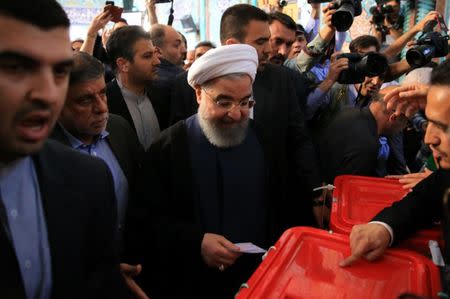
(219, 136)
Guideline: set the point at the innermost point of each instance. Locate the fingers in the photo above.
(374, 254)
(131, 270)
(135, 289)
(228, 245)
(398, 176)
(349, 261)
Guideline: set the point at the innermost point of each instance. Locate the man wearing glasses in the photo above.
(210, 182)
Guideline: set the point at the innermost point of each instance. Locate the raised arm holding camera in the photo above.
(387, 19)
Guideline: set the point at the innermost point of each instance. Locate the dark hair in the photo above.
(440, 75)
(45, 14)
(284, 19)
(364, 42)
(236, 18)
(157, 34)
(205, 43)
(122, 20)
(121, 43)
(183, 38)
(300, 29)
(85, 68)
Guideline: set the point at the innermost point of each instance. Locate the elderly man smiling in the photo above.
(210, 183)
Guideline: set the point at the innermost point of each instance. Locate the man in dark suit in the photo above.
(86, 126)
(277, 110)
(428, 201)
(355, 142)
(57, 220)
(132, 94)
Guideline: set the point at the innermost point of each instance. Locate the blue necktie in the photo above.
(383, 151)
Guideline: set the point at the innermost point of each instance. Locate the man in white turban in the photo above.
(222, 79)
(211, 181)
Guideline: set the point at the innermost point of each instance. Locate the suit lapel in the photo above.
(118, 145)
(116, 102)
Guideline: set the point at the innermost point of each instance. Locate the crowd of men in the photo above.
(128, 170)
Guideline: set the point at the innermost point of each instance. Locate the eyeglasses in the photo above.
(228, 105)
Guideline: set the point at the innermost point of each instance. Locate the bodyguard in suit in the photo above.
(57, 220)
(86, 126)
(428, 201)
(132, 94)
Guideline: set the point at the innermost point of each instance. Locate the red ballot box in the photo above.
(304, 264)
(357, 199)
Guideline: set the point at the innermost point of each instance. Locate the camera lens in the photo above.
(420, 55)
(282, 3)
(375, 64)
(342, 19)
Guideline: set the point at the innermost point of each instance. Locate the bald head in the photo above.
(169, 41)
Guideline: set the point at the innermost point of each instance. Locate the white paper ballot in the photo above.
(249, 248)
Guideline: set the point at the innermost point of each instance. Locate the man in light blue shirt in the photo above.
(86, 126)
(57, 223)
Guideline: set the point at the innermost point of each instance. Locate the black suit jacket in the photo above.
(278, 113)
(159, 97)
(80, 212)
(123, 142)
(164, 221)
(420, 208)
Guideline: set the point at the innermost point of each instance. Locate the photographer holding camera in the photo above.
(387, 19)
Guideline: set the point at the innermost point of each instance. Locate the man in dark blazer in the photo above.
(428, 201)
(132, 94)
(277, 110)
(86, 126)
(57, 220)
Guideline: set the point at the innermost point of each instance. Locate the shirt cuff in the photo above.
(389, 229)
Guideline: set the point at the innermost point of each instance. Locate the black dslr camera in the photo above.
(346, 10)
(361, 66)
(429, 45)
(379, 13)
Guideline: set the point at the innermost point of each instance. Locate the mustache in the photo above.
(278, 57)
(32, 107)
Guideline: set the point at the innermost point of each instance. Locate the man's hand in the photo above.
(367, 241)
(218, 252)
(336, 67)
(411, 179)
(328, 12)
(128, 272)
(407, 99)
(432, 15)
(99, 22)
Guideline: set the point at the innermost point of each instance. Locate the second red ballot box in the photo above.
(304, 264)
(357, 199)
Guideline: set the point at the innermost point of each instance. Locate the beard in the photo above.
(220, 135)
(277, 59)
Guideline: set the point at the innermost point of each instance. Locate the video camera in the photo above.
(346, 10)
(431, 44)
(361, 66)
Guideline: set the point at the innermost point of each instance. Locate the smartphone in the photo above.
(115, 11)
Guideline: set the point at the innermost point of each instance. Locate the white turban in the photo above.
(224, 60)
